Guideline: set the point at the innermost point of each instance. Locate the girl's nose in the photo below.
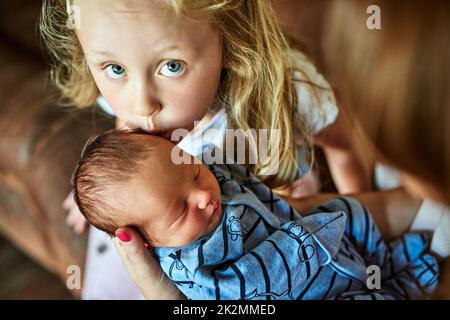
(147, 108)
(146, 101)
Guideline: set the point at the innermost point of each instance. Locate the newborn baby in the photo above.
(129, 179)
(220, 233)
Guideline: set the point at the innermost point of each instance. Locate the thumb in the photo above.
(132, 249)
(142, 267)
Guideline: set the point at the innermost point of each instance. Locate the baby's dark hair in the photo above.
(107, 160)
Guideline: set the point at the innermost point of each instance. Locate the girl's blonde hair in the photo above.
(256, 86)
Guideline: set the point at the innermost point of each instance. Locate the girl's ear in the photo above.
(224, 61)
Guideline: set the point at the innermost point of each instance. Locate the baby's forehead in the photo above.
(165, 162)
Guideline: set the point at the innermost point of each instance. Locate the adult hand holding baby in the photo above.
(143, 267)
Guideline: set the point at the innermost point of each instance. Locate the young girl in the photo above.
(162, 65)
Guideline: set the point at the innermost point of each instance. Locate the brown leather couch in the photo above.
(39, 144)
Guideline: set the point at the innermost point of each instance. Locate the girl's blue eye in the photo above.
(172, 69)
(115, 71)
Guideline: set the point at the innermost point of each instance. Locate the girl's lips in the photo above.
(161, 133)
(154, 131)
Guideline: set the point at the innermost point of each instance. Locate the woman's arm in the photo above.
(393, 210)
(350, 161)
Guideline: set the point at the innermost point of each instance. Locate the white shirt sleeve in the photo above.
(212, 133)
(316, 100)
(101, 101)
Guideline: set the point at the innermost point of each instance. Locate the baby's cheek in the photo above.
(201, 224)
(186, 236)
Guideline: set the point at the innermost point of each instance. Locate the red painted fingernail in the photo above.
(123, 236)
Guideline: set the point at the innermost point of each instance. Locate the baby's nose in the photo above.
(204, 199)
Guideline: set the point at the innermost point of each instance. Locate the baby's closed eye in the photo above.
(180, 216)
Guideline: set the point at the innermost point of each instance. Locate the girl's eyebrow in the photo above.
(169, 48)
(159, 52)
(101, 53)
(174, 48)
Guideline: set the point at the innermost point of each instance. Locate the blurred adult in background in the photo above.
(395, 81)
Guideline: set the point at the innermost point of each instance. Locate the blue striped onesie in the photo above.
(264, 250)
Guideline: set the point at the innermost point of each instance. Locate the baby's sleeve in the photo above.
(285, 265)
